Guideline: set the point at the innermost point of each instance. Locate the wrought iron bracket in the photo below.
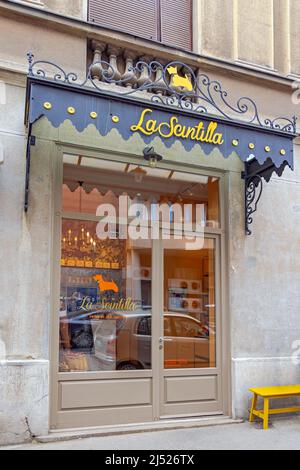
(253, 193)
(255, 176)
(31, 140)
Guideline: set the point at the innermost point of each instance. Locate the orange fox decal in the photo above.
(105, 286)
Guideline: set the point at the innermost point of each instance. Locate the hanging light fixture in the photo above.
(138, 174)
(152, 157)
(80, 195)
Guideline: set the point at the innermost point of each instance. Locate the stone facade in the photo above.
(263, 270)
(72, 8)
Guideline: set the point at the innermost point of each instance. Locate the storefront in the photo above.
(139, 284)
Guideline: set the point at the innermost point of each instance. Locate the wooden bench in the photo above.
(270, 393)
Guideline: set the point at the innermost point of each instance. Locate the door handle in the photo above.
(164, 340)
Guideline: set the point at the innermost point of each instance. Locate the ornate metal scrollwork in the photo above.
(253, 193)
(59, 76)
(175, 84)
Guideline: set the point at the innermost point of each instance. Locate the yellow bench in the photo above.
(270, 393)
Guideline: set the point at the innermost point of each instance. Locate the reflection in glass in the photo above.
(189, 304)
(106, 304)
(105, 312)
(94, 182)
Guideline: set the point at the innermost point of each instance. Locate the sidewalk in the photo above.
(284, 434)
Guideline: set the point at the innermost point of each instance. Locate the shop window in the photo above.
(168, 327)
(89, 184)
(144, 327)
(106, 282)
(105, 288)
(166, 21)
(190, 305)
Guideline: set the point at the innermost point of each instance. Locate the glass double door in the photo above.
(138, 331)
(157, 311)
(188, 354)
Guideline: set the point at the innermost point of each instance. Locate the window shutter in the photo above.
(176, 23)
(140, 17)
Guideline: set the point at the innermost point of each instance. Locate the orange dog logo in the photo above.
(180, 82)
(105, 286)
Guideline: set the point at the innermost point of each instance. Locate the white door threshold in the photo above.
(68, 435)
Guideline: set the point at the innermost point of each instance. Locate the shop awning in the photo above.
(199, 115)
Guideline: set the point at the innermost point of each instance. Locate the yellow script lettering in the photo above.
(173, 128)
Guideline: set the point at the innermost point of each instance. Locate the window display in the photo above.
(106, 283)
(105, 291)
(189, 299)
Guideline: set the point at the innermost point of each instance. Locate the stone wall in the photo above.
(264, 294)
(73, 8)
(255, 33)
(55, 46)
(25, 281)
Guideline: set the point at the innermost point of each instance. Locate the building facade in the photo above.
(195, 328)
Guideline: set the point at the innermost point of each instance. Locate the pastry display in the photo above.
(186, 296)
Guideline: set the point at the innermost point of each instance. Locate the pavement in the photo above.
(284, 434)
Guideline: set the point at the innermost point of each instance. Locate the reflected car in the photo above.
(78, 329)
(128, 345)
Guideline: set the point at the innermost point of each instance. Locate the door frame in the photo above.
(197, 372)
(59, 150)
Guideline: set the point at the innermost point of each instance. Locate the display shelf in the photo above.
(83, 264)
(178, 290)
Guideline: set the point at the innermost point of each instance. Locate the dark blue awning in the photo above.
(170, 114)
(150, 120)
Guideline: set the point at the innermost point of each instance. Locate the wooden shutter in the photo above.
(176, 23)
(140, 17)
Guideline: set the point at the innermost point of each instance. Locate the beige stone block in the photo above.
(25, 275)
(12, 105)
(295, 36)
(24, 392)
(216, 28)
(255, 32)
(281, 37)
(73, 8)
(63, 49)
